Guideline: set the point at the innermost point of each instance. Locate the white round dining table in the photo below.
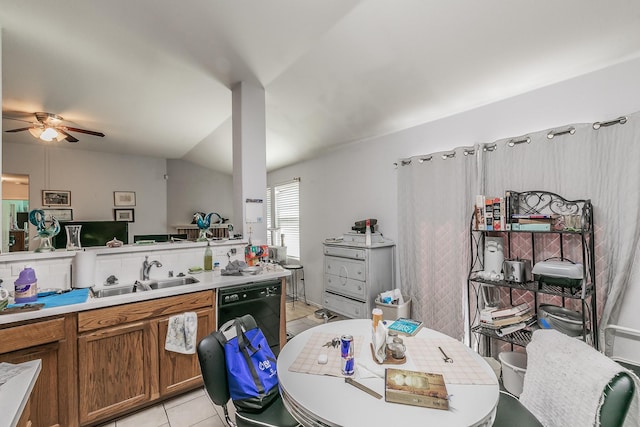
(326, 400)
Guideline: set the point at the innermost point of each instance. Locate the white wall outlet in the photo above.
(16, 269)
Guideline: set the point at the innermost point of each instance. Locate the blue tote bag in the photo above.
(251, 368)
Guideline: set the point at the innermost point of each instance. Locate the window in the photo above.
(283, 216)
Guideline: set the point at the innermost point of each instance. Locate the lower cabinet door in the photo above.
(180, 372)
(115, 369)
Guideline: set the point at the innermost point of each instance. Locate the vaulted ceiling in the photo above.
(156, 75)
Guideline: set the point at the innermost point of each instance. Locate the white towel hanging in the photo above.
(182, 333)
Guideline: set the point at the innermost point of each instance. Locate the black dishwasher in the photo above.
(261, 300)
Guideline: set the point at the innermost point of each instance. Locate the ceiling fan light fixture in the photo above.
(49, 134)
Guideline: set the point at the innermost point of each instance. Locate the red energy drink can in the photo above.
(346, 351)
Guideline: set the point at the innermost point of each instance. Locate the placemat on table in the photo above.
(465, 369)
(307, 360)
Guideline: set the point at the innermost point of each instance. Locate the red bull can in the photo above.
(346, 351)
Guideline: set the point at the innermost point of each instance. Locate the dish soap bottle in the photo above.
(208, 258)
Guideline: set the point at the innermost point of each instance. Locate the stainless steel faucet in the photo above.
(146, 266)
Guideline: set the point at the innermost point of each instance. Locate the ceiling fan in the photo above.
(49, 127)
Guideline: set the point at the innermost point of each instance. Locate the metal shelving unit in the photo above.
(537, 203)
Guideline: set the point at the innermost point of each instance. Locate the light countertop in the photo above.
(207, 280)
(15, 393)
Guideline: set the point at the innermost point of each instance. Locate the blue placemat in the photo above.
(76, 296)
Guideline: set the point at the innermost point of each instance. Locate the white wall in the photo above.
(359, 181)
(192, 188)
(92, 177)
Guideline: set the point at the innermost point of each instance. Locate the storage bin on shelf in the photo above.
(395, 311)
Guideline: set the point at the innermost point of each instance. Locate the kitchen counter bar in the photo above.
(15, 393)
(207, 280)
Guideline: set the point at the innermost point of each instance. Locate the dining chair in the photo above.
(214, 373)
(616, 399)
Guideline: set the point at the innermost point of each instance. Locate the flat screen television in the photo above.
(94, 233)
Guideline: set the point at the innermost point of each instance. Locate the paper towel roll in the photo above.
(84, 268)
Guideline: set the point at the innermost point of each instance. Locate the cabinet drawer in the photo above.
(345, 268)
(345, 252)
(31, 335)
(345, 306)
(126, 313)
(342, 285)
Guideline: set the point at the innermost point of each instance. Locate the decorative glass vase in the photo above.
(202, 237)
(45, 243)
(203, 224)
(45, 229)
(73, 237)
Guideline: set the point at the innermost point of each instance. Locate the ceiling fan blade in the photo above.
(89, 132)
(20, 116)
(16, 119)
(69, 137)
(18, 130)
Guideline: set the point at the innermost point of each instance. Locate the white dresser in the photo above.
(354, 275)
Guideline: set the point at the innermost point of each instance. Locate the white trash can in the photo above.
(514, 366)
(395, 311)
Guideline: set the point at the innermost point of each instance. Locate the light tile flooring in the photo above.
(195, 409)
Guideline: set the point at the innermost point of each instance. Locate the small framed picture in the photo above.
(124, 198)
(126, 215)
(56, 198)
(60, 214)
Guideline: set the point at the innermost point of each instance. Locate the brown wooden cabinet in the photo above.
(121, 357)
(180, 372)
(51, 340)
(115, 366)
(16, 240)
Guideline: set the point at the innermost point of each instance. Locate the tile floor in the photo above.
(195, 409)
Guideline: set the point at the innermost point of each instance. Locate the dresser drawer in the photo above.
(345, 306)
(345, 268)
(353, 288)
(345, 252)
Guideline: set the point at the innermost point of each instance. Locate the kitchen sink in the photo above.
(170, 283)
(110, 292)
(153, 284)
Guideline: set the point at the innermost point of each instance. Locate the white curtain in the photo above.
(434, 197)
(601, 165)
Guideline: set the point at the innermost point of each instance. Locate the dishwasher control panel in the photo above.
(238, 294)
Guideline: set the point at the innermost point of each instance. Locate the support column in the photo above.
(249, 161)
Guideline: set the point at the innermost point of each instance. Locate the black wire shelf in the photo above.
(521, 337)
(539, 287)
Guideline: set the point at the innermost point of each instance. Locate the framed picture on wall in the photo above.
(56, 198)
(124, 198)
(60, 214)
(126, 215)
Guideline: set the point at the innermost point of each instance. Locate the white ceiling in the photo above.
(155, 75)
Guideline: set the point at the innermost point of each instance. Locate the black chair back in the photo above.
(214, 370)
